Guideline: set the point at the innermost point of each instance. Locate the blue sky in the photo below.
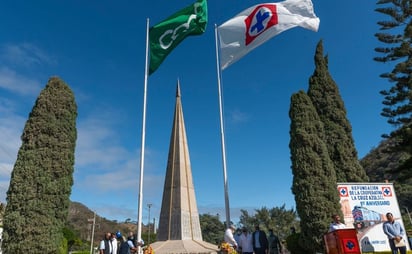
(98, 48)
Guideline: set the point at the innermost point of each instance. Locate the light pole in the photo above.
(410, 220)
(148, 224)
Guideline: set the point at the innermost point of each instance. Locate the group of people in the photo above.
(257, 242)
(392, 229)
(116, 243)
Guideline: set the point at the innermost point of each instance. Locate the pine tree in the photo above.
(314, 178)
(42, 177)
(398, 98)
(325, 96)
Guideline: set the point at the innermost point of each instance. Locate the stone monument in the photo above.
(179, 227)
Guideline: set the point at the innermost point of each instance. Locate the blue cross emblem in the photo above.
(350, 245)
(260, 17)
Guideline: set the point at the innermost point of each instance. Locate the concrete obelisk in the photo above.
(179, 227)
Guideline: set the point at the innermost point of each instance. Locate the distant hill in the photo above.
(81, 219)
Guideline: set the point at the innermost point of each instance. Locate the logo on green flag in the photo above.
(166, 35)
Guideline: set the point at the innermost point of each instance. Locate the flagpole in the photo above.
(222, 133)
(140, 202)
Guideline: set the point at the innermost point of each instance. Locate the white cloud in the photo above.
(97, 142)
(238, 116)
(26, 54)
(10, 130)
(16, 83)
(4, 186)
(106, 170)
(16, 56)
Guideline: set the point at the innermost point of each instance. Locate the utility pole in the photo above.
(154, 226)
(148, 224)
(91, 241)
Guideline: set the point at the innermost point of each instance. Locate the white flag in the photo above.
(257, 24)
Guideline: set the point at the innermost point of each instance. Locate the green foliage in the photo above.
(380, 166)
(396, 39)
(63, 249)
(145, 236)
(72, 238)
(277, 218)
(212, 228)
(293, 246)
(41, 180)
(325, 96)
(322, 153)
(247, 220)
(314, 178)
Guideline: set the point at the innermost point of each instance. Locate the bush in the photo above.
(293, 246)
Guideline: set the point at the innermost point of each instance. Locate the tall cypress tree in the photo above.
(42, 177)
(325, 96)
(314, 178)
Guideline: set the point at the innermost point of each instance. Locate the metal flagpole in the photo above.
(222, 134)
(139, 212)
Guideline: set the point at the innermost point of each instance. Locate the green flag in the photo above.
(166, 35)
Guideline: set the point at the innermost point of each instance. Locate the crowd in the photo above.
(253, 243)
(257, 242)
(116, 243)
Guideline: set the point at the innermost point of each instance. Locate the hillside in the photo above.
(381, 166)
(81, 219)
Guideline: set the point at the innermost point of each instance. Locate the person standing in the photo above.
(260, 241)
(245, 242)
(124, 247)
(106, 244)
(395, 233)
(236, 235)
(336, 223)
(114, 242)
(274, 244)
(133, 244)
(229, 237)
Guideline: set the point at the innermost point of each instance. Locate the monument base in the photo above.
(183, 247)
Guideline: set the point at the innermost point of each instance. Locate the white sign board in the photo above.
(364, 206)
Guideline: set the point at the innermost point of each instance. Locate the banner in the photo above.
(364, 206)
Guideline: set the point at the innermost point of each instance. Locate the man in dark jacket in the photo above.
(124, 246)
(259, 241)
(274, 244)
